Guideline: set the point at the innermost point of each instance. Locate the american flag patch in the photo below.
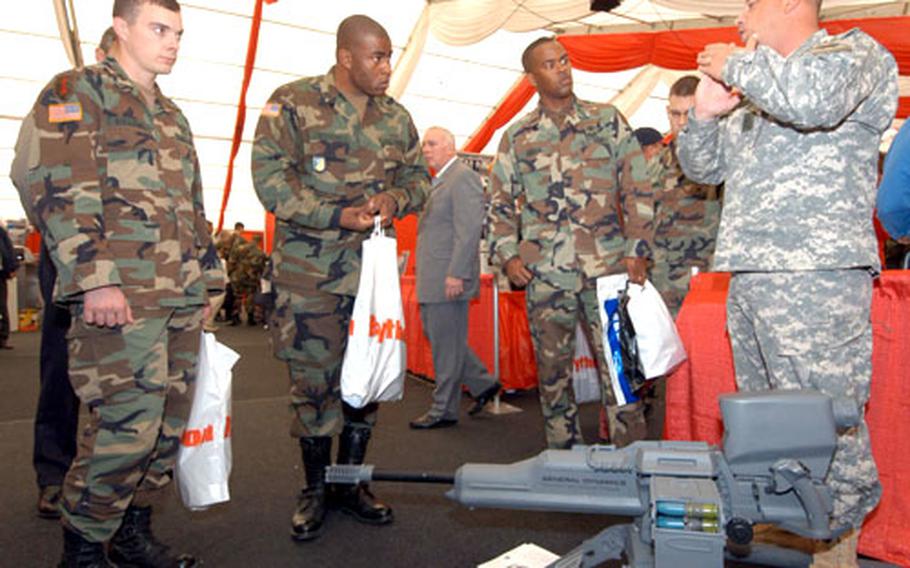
(65, 112)
(271, 110)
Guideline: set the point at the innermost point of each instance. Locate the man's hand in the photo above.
(356, 218)
(454, 287)
(518, 274)
(106, 307)
(713, 99)
(384, 205)
(712, 59)
(206, 312)
(637, 269)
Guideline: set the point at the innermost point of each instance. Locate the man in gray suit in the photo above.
(448, 275)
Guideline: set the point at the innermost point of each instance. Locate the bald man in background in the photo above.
(448, 276)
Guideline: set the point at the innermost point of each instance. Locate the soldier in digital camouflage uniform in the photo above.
(559, 175)
(113, 181)
(686, 213)
(796, 142)
(331, 152)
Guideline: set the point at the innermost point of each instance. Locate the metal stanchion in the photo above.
(498, 407)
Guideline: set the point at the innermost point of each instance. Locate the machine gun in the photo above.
(692, 504)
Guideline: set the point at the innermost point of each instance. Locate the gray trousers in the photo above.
(454, 363)
(812, 330)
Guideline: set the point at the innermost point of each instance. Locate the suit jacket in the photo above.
(448, 235)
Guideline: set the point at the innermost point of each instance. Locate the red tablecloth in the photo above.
(694, 414)
(516, 354)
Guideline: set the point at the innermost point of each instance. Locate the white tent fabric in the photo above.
(405, 66)
(469, 21)
(455, 85)
(464, 22)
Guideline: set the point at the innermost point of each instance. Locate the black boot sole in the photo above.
(308, 536)
(365, 520)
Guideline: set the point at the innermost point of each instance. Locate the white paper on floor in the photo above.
(526, 555)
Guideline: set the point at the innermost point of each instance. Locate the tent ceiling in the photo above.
(464, 21)
(455, 86)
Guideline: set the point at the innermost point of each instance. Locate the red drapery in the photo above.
(514, 101)
(903, 107)
(241, 107)
(677, 49)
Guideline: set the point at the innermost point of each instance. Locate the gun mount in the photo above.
(692, 504)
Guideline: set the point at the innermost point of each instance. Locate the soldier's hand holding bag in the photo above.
(375, 361)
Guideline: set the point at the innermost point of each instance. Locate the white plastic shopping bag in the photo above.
(375, 359)
(204, 458)
(660, 349)
(585, 378)
(657, 342)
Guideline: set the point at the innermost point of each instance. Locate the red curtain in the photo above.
(514, 101)
(677, 49)
(241, 106)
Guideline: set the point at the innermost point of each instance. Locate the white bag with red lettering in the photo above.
(204, 458)
(375, 361)
(585, 378)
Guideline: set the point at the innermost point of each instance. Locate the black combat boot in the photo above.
(357, 500)
(308, 521)
(81, 553)
(134, 545)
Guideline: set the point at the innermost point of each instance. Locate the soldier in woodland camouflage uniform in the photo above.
(797, 143)
(559, 175)
(686, 214)
(330, 153)
(113, 182)
(224, 245)
(248, 262)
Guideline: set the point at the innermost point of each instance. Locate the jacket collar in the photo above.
(123, 82)
(329, 93)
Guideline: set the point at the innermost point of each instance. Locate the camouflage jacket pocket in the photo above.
(596, 174)
(132, 211)
(132, 157)
(534, 176)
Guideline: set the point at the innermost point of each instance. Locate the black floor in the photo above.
(252, 529)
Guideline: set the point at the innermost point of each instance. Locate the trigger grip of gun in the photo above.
(791, 474)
